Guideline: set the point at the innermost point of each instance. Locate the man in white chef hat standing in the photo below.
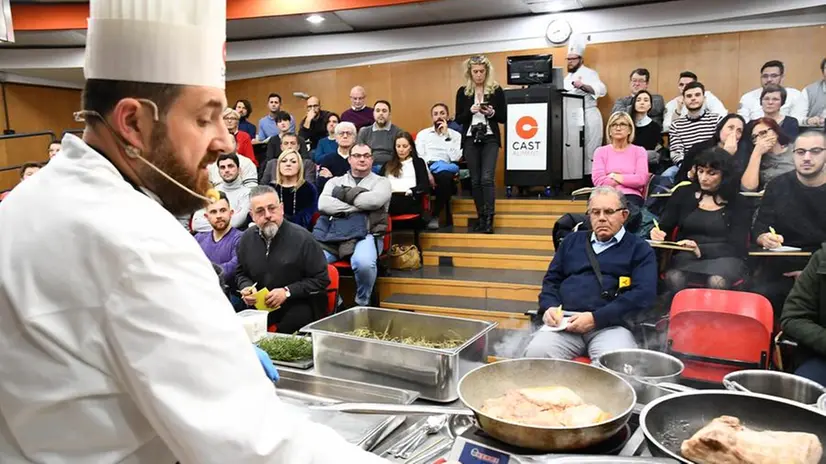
(582, 80)
(116, 342)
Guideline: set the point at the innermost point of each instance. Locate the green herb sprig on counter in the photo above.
(415, 341)
(287, 349)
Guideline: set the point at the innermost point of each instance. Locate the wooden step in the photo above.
(526, 205)
(509, 314)
(487, 258)
(506, 284)
(525, 220)
(504, 237)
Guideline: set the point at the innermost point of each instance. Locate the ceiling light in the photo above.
(315, 19)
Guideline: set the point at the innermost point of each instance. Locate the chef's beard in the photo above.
(176, 200)
(269, 230)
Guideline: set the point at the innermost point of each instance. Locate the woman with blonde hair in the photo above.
(298, 197)
(480, 108)
(621, 164)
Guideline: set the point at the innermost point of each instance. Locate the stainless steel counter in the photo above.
(302, 389)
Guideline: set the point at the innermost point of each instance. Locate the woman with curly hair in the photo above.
(713, 221)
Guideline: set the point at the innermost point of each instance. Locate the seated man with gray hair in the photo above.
(596, 280)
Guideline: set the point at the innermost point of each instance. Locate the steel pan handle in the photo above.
(386, 408)
(735, 386)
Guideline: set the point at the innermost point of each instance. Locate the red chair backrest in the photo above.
(719, 326)
(388, 236)
(314, 219)
(332, 289)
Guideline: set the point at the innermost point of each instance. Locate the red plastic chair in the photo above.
(332, 289)
(716, 332)
(410, 217)
(343, 265)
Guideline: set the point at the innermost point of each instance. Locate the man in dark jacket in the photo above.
(314, 125)
(590, 319)
(792, 213)
(804, 318)
(285, 259)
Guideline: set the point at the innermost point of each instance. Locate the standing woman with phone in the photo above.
(480, 108)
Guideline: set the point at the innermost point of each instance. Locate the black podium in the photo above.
(544, 138)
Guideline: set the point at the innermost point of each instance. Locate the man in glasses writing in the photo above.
(597, 279)
(792, 213)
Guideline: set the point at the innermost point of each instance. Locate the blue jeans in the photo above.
(365, 266)
(813, 369)
(671, 172)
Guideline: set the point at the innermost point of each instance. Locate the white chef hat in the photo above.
(576, 45)
(159, 41)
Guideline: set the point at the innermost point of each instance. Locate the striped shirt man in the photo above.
(686, 132)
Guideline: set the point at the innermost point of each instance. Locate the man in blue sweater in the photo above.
(590, 321)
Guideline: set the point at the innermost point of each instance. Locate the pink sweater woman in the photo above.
(621, 164)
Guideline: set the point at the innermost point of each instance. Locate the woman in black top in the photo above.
(299, 197)
(728, 136)
(713, 220)
(408, 178)
(648, 134)
(480, 108)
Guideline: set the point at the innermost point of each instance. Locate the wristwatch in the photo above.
(287, 292)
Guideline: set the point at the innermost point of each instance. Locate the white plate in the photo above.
(562, 325)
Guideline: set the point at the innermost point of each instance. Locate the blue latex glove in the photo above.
(266, 363)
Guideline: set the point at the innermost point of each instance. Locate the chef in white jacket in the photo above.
(116, 342)
(582, 80)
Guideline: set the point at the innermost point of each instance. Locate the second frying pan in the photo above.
(668, 421)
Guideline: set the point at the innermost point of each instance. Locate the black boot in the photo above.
(488, 229)
(480, 223)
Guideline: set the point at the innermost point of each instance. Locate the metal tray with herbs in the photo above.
(288, 350)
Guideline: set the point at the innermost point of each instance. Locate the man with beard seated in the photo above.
(285, 259)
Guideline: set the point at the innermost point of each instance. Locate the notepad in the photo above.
(782, 249)
(260, 296)
(562, 326)
(753, 194)
(668, 245)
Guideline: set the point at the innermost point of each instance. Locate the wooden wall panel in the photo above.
(800, 50)
(7, 179)
(35, 109)
(713, 58)
(728, 64)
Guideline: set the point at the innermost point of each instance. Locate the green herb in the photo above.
(287, 349)
(416, 341)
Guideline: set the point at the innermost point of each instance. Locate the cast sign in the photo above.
(527, 139)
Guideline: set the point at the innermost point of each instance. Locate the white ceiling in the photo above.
(357, 20)
(290, 44)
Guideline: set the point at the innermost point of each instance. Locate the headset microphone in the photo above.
(135, 153)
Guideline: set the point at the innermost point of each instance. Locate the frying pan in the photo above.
(595, 386)
(668, 421)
